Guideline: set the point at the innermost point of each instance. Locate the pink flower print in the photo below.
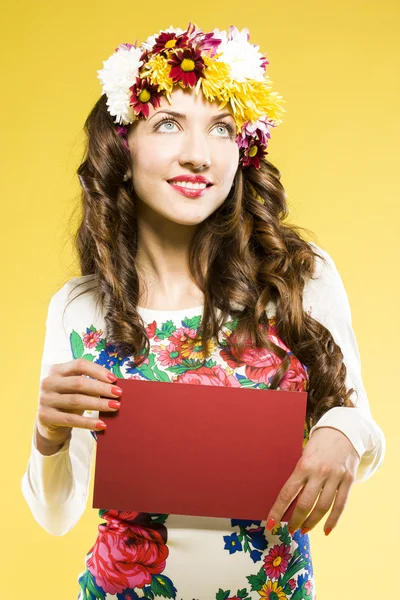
(277, 560)
(126, 556)
(170, 355)
(182, 333)
(216, 376)
(91, 338)
(292, 584)
(308, 587)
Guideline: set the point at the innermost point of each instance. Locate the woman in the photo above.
(195, 282)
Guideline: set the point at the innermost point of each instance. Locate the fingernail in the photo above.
(327, 531)
(304, 530)
(116, 390)
(270, 524)
(100, 425)
(114, 404)
(111, 376)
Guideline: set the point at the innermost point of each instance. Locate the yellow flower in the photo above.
(157, 71)
(272, 591)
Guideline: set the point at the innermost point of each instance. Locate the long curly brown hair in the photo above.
(243, 254)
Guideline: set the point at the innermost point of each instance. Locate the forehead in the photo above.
(186, 101)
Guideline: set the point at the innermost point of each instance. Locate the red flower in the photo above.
(166, 41)
(187, 66)
(126, 556)
(252, 154)
(144, 92)
(276, 562)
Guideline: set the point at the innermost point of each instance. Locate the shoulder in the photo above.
(321, 290)
(76, 298)
(325, 290)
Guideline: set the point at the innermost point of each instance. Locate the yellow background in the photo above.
(336, 65)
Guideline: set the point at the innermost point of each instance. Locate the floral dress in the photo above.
(147, 555)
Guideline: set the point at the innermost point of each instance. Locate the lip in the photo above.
(191, 178)
(190, 193)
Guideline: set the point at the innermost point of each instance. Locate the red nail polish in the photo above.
(111, 377)
(116, 390)
(114, 404)
(304, 530)
(100, 425)
(327, 531)
(270, 524)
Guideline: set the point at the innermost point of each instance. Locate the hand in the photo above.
(65, 394)
(327, 468)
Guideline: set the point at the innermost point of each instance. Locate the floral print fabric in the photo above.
(146, 555)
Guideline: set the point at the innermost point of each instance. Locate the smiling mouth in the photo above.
(191, 187)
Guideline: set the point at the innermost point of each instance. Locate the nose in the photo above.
(194, 150)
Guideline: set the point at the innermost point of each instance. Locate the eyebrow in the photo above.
(182, 116)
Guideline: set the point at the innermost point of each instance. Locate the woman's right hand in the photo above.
(65, 395)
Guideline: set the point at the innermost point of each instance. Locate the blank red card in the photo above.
(201, 450)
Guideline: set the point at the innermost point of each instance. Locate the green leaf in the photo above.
(255, 583)
(242, 593)
(285, 537)
(147, 372)
(193, 322)
(162, 586)
(221, 595)
(158, 518)
(262, 575)
(161, 375)
(117, 371)
(94, 590)
(101, 345)
(90, 357)
(88, 587)
(76, 344)
(287, 589)
(167, 329)
(148, 593)
(294, 566)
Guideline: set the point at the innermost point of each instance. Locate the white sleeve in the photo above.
(325, 299)
(56, 487)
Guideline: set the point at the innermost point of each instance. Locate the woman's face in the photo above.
(180, 146)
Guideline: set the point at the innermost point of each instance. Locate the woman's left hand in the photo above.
(327, 468)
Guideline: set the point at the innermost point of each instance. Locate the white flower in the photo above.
(119, 73)
(242, 57)
(151, 40)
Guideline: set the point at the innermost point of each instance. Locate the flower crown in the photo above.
(225, 65)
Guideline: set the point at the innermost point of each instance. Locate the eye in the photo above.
(230, 129)
(163, 121)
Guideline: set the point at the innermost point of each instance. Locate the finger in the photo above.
(304, 504)
(79, 385)
(81, 366)
(79, 403)
(323, 504)
(287, 494)
(340, 503)
(55, 418)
